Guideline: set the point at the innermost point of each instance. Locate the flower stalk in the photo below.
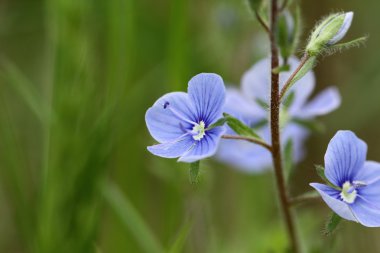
(275, 133)
(289, 82)
(249, 139)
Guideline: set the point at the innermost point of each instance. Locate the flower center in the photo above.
(348, 193)
(198, 131)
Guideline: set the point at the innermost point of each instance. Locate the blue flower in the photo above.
(179, 121)
(251, 105)
(356, 192)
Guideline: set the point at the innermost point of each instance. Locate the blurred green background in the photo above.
(76, 78)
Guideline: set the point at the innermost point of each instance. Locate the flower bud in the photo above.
(329, 31)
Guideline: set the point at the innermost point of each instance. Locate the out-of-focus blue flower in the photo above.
(179, 121)
(356, 195)
(251, 105)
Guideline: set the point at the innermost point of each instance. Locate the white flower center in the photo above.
(348, 193)
(198, 131)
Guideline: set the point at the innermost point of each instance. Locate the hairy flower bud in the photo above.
(330, 31)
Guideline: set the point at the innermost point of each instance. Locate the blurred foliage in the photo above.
(76, 78)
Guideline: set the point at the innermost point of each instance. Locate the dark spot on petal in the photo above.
(166, 104)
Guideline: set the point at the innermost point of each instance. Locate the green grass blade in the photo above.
(179, 243)
(20, 83)
(130, 218)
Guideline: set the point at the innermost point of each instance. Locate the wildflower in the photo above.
(354, 191)
(180, 121)
(251, 105)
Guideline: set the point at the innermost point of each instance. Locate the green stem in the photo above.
(284, 89)
(249, 139)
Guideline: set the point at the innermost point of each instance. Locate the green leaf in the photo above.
(179, 243)
(130, 218)
(259, 124)
(255, 4)
(345, 46)
(297, 30)
(321, 173)
(282, 68)
(332, 224)
(288, 158)
(194, 172)
(284, 34)
(262, 104)
(239, 127)
(288, 101)
(288, 32)
(311, 125)
(219, 122)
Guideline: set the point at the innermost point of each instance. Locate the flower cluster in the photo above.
(190, 126)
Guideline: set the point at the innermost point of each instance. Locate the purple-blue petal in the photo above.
(367, 213)
(253, 158)
(325, 102)
(371, 193)
(173, 149)
(205, 147)
(207, 93)
(245, 156)
(256, 82)
(344, 157)
(298, 136)
(369, 173)
(163, 124)
(370, 176)
(330, 196)
(243, 108)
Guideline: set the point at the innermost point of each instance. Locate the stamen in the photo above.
(359, 184)
(348, 193)
(199, 131)
(176, 113)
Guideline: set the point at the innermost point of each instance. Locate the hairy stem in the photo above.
(275, 133)
(253, 140)
(284, 89)
(304, 198)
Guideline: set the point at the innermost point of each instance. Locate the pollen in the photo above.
(199, 131)
(348, 193)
